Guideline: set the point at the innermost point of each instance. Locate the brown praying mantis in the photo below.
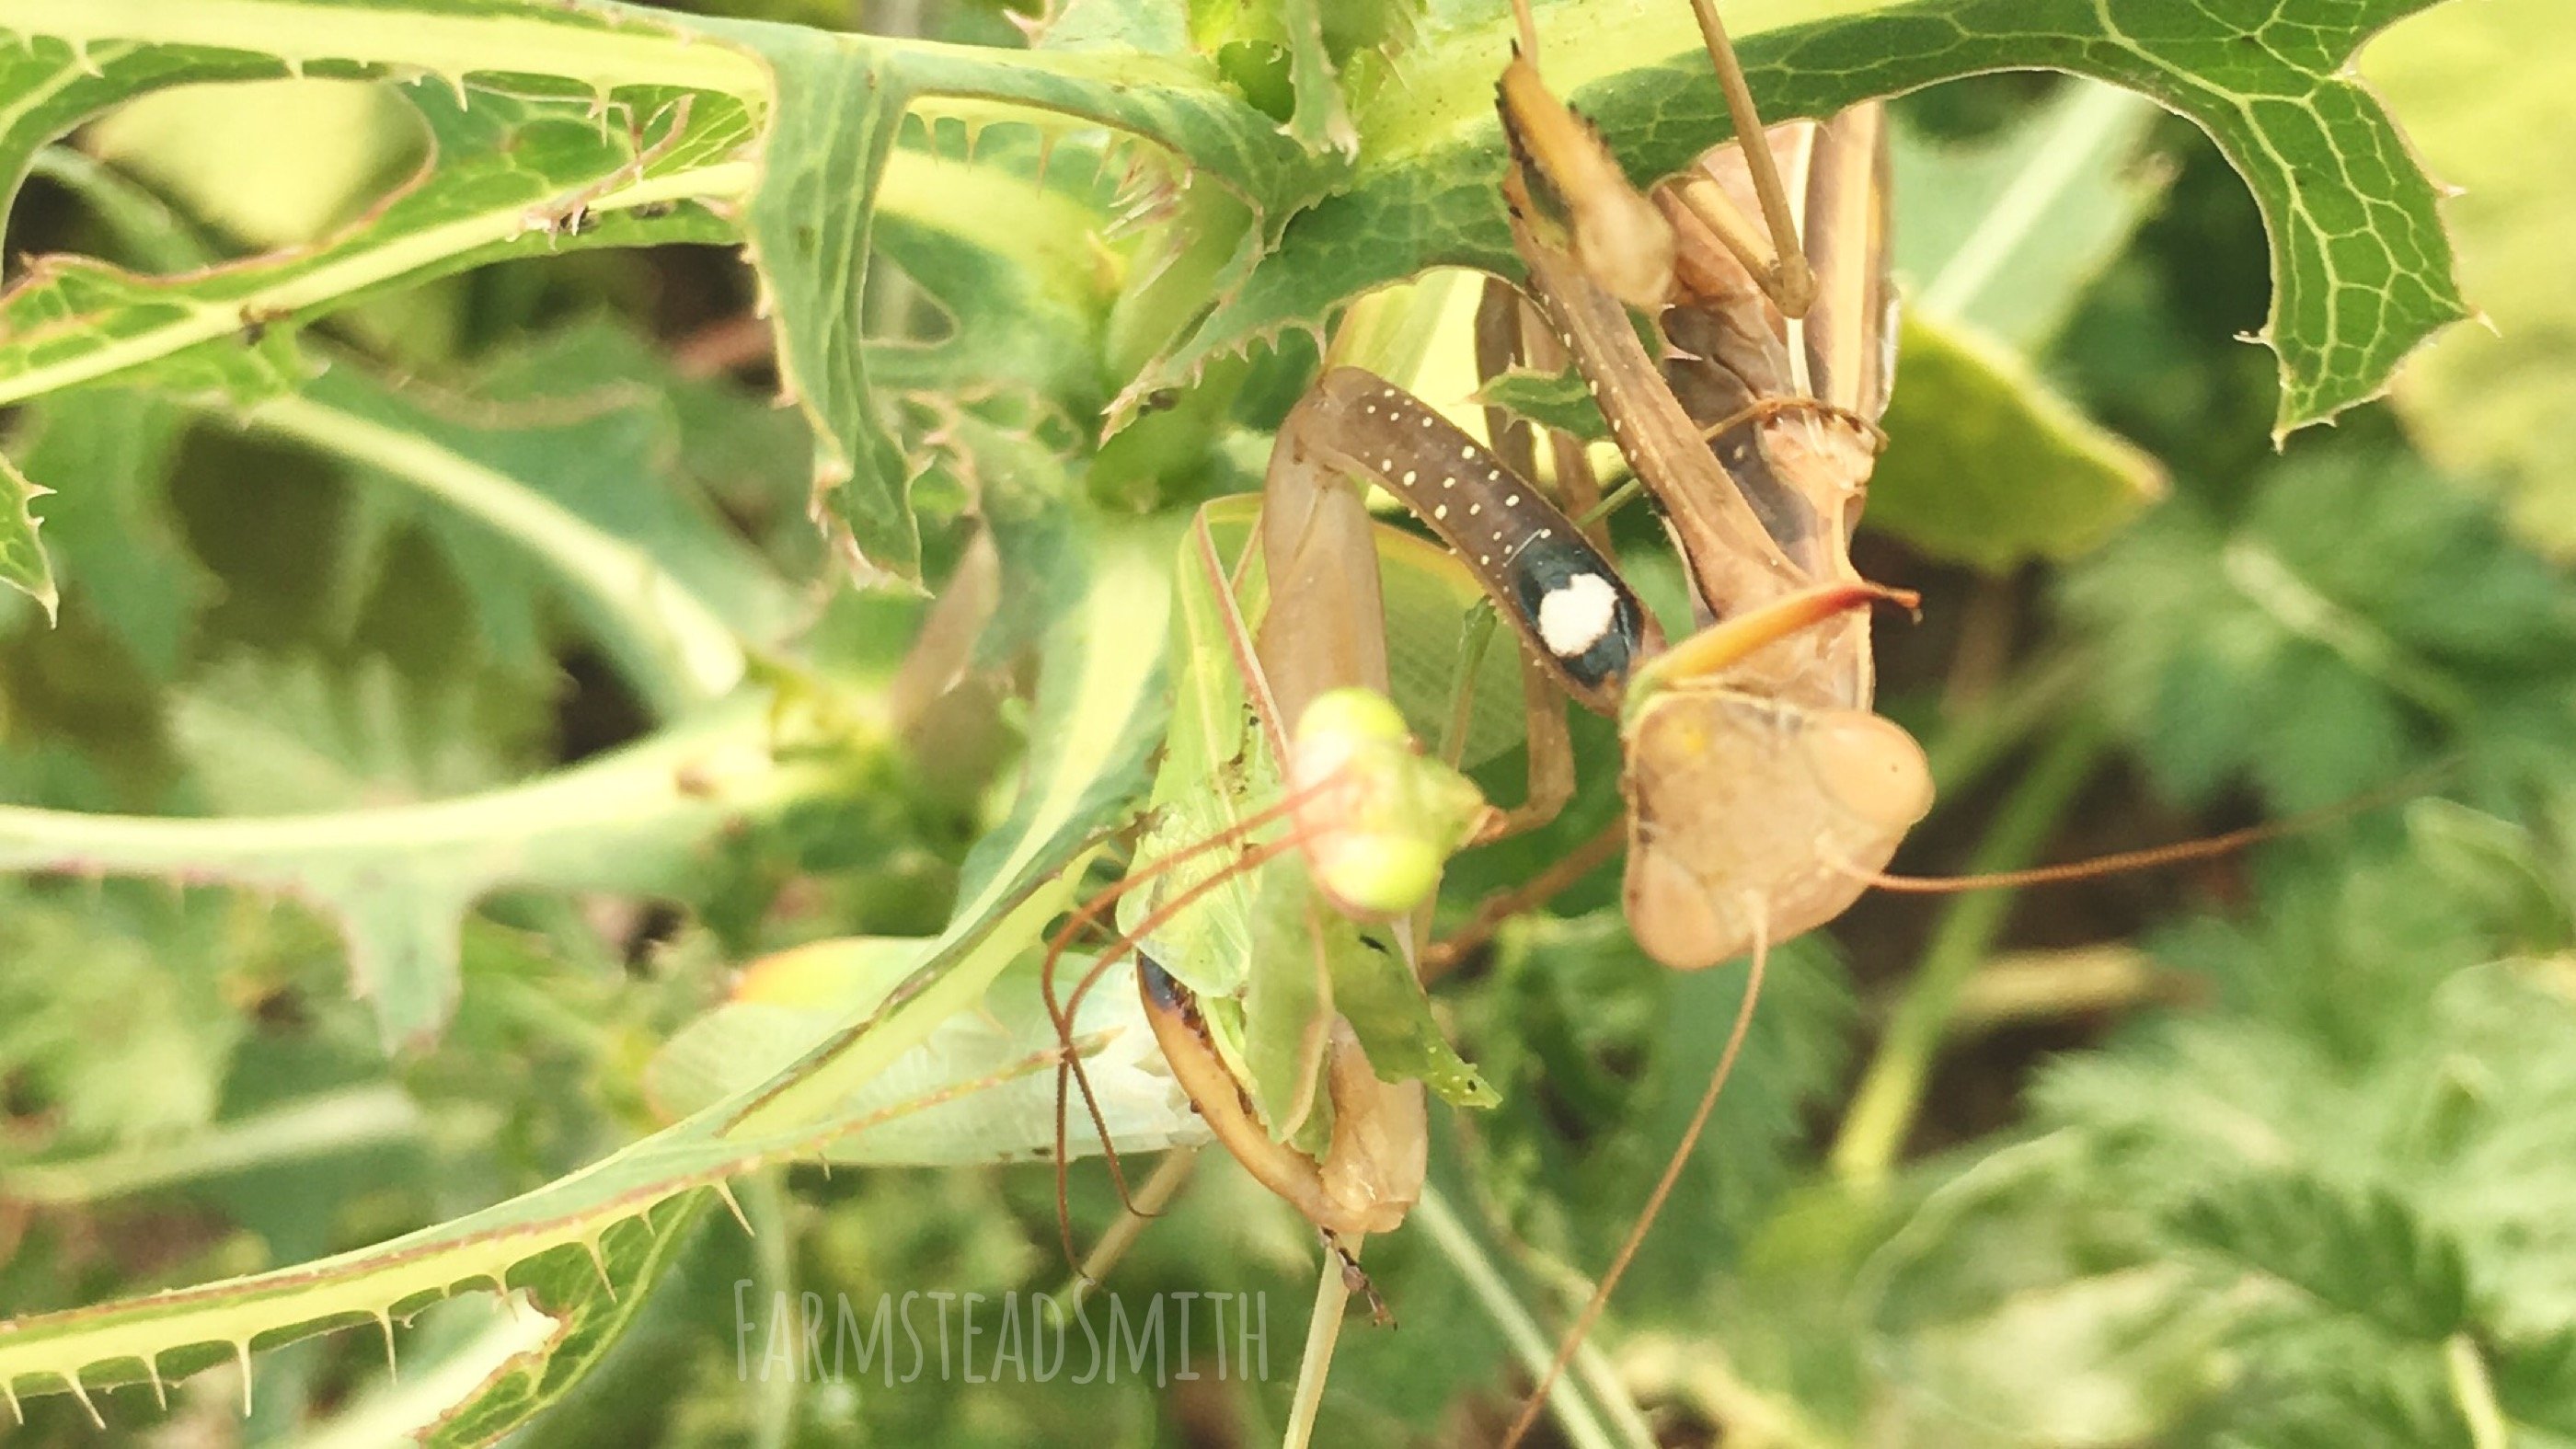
(1762, 792)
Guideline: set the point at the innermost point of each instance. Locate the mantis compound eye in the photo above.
(1871, 768)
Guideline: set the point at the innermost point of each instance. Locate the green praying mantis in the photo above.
(1279, 908)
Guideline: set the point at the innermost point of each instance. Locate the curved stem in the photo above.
(675, 649)
(1574, 1413)
(1883, 1110)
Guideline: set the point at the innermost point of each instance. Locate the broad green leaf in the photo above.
(2487, 118)
(2361, 267)
(1987, 466)
(996, 1108)
(272, 734)
(1099, 710)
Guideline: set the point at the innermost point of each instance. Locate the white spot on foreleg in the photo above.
(1575, 614)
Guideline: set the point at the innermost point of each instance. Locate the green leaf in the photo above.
(1374, 989)
(540, 167)
(993, 1107)
(1987, 466)
(116, 1022)
(593, 1294)
(2363, 1254)
(1560, 400)
(2487, 402)
(1010, 261)
(276, 735)
(2361, 267)
(1099, 716)
(1217, 768)
(271, 163)
(1601, 1058)
(2357, 615)
(838, 106)
(22, 559)
(1291, 31)
(509, 176)
(2536, 1382)
(1098, 713)
(110, 527)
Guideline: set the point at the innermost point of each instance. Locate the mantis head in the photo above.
(1755, 815)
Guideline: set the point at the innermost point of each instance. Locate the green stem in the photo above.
(1475, 635)
(2474, 1391)
(1315, 1360)
(674, 648)
(2038, 190)
(1975, 741)
(1891, 1090)
(315, 1126)
(1573, 1412)
(643, 818)
(773, 1258)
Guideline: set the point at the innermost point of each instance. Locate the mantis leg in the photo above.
(1779, 261)
(1511, 333)
(1551, 759)
(1559, 593)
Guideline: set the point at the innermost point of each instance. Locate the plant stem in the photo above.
(2475, 1393)
(1891, 1090)
(1574, 1413)
(308, 1127)
(773, 1257)
(672, 645)
(1323, 1331)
